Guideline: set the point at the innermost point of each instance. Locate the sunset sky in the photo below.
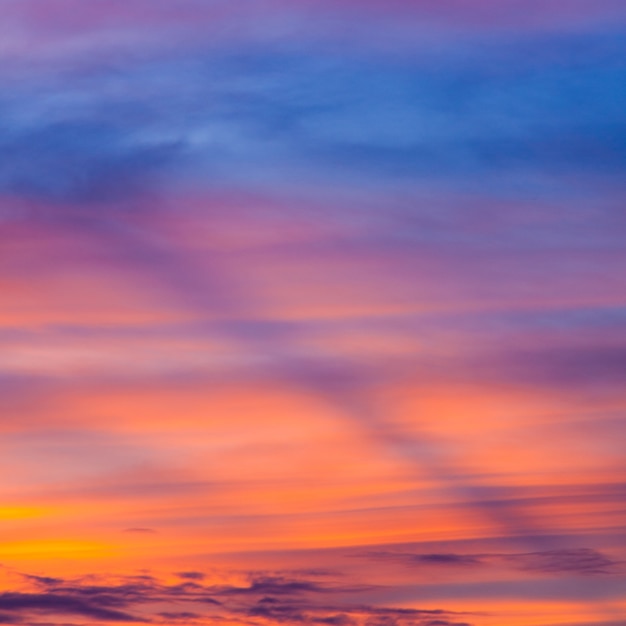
(313, 312)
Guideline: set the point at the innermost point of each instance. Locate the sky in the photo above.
(312, 312)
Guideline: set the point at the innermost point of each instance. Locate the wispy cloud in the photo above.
(583, 561)
(280, 598)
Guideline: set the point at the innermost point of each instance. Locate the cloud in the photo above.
(568, 366)
(79, 161)
(191, 575)
(44, 581)
(577, 561)
(286, 612)
(444, 559)
(276, 586)
(181, 615)
(584, 561)
(256, 119)
(61, 604)
(145, 598)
